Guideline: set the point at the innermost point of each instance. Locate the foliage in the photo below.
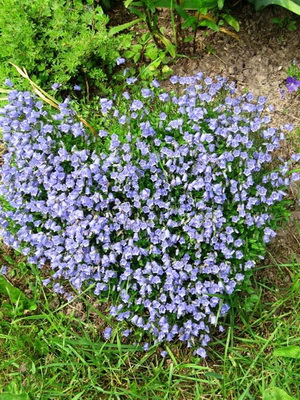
(61, 41)
(205, 14)
(276, 393)
(16, 296)
(288, 23)
(164, 212)
(291, 5)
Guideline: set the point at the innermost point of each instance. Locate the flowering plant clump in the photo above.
(166, 210)
(293, 79)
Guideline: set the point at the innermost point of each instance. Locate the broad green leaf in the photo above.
(119, 28)
(168, 44)
(16, 296)
(289, 351)
(210, 24)
(231, 21)
(11, 396)
(129, 53)
(213, 375)
(276, 393)
(151, 52)
(136, 57)
(188, 39)
(127, 3)
(291, 5)
(190, 22)
(137, 48)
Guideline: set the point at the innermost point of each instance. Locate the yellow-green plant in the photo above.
(60, 41)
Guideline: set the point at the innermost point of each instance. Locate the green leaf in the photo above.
(191, 21)
(276, 393)
(137, 48)
(11, 396)
(188, 39)
(289, 351)
(213, 375)
(129, 53)
(291, 5)
(231, 21)
(119, 28)
(16, 296)
(152, 52)
(127, 3)
(210, 24)
(168, 44)
(78, 396)
(136, 57)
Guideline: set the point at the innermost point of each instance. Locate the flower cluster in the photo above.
(167, 209)
(292, 84)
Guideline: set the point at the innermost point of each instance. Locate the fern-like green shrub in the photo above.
(63, 41)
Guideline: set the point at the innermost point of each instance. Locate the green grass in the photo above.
(56, 350)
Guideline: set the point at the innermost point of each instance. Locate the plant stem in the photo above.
(150, 27)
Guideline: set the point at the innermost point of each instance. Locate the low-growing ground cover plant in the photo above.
(164, 211)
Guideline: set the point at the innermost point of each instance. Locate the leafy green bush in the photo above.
(57, 40)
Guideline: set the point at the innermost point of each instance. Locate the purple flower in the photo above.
(107, 333)
(120, 60)
(292, 84)
(136, 105)
(155, 83)
(77, 88)
(131, 80)
(3, 270)
(56, 86)
(8, 83)
(146, 93)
